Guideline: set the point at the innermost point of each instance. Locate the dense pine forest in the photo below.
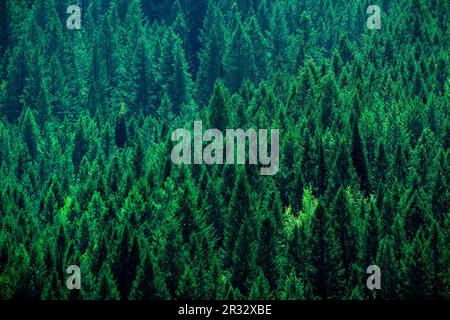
(86, 118)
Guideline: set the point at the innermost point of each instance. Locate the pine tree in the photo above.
(327, 271)
(211, 54)
(416, 213)
(181, 86)
(438, 256)
(341, 173)
(345, 230)
(373, 235)
(416, 269)
(382, 165)
(17, 70)
(217, 108)
(329, 100)
(188, 286)
(146, 78)
(390, 269)
(260, 48)
(242, 266)
(441, 196)
(195, 13)
(266, 251)
(260, 289)
(85, 123)
(239, 208)
(176, 79)
(171, 255)
(293, 288)
(148, 284)
(239, 62)
(278, 35)
(359, 159)
(120, 131)
(187, 213)
(107, 289)
(139, 160)
(98, 89)
(30, 133)
(321, 171)
(4, 32)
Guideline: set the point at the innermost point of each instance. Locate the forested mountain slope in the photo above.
(86, 118)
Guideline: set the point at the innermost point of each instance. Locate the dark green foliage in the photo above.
(238, 60)
(211, 54)
(217, 109)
